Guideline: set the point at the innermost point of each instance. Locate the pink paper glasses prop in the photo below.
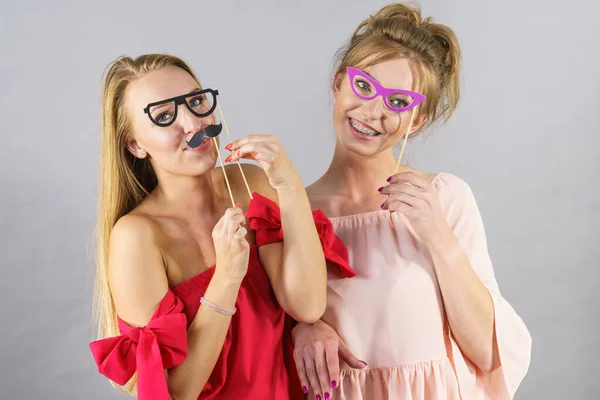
(396, 100)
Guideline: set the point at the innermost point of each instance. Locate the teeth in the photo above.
(364, 130)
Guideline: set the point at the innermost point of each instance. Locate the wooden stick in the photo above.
(224, 173)
(231, 141)
(412, 116)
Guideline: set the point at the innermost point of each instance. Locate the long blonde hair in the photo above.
(399, 30)
(124, 179)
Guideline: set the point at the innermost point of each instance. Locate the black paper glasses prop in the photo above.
(201, 104)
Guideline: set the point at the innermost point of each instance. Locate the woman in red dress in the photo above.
(190, 303)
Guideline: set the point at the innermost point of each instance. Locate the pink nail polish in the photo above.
(380, 189)
(389, 179)
(362, 362)
(334, 384)
(318, 397)
(304, 389)
(327, 396)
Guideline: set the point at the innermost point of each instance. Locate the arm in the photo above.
(206, 336)
(467, 301)
(509, 342)
(138, 283)
(296, 267)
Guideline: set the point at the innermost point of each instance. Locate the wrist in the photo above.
(444, 245)
(292, 187)
(226, 281)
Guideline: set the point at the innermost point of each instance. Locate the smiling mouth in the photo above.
(362, 129)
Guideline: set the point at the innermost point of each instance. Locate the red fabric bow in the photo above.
(160, 345)
(265, 218)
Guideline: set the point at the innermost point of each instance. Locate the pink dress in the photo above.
(391, 314)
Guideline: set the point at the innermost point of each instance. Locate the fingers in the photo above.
(257, 147)
(233, 213)
(312, 368)
(299, 360)
(321, 368)
(401, 198)
(333, 362)
(406, 192)
(402, 187)
(411, 178)
(232, 222)
(349, 358)
(240, 233)
(258, 156)
(402, 208)
(256, 151)
(234, 228)
(236, 144)
(311, 374)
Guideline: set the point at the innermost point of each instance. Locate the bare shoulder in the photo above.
(136, 272)
(134, 228)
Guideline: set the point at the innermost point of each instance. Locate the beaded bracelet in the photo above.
(217, 308)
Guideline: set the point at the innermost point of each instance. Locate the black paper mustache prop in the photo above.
(210, 131)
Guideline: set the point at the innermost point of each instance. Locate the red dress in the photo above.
(256, 360)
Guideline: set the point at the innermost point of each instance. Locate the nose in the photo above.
(374, 108)
(189, 122)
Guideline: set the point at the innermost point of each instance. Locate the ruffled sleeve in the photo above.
(265, 219)
(149, 350)
(512, 337)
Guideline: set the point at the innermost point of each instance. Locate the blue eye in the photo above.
(195, 102)
(164, 117)
(397, 103)
(363, 85)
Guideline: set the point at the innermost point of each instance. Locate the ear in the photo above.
(418, 123)
(337, 83)
(134, 148)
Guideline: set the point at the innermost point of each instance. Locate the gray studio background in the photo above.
(526, 138)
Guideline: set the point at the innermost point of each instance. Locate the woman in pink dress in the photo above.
(424, 313)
